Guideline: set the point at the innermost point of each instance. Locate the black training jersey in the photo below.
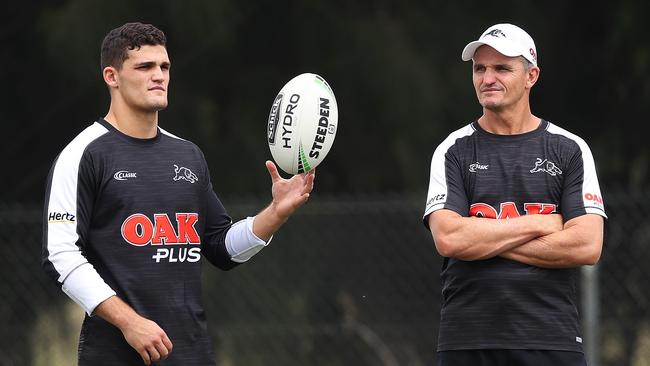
(498, 303)
(133, 217)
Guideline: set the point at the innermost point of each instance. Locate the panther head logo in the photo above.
(185, 174)
(546, 166)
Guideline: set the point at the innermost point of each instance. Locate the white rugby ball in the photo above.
(302, 123)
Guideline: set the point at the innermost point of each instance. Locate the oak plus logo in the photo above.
(546, 166)
(509, 210)
(185, 174)
(594, 199)
(173, 245)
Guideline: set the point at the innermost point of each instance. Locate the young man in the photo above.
(515, 208)
(130, 210)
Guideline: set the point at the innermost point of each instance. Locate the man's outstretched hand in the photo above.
(288, 195)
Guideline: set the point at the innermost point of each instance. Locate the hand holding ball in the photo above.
(302, 123)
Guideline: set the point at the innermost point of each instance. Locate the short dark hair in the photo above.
(128, 37)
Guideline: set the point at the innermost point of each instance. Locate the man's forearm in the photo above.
(479, 238)
(579, 243)
(115, 311)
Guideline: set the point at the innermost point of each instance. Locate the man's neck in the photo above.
(142, 125)
(508, 122)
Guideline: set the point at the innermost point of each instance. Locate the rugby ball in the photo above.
(302, 123)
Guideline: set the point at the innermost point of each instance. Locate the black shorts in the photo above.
(510, 357)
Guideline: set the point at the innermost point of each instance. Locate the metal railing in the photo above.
(348, 281)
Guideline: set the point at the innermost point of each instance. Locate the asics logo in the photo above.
(478, 166)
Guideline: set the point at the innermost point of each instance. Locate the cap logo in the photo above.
(495, 33)
(532, 53)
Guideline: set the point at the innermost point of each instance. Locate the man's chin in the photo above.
(492, 106)
(155, 107)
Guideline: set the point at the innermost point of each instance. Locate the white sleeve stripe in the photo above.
(85, 287)
(591, 195)
(435, 207)
(62, 217)
(437, 194)
(596, 210)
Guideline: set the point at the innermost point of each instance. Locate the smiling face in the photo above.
(501, 82)
(141, 83)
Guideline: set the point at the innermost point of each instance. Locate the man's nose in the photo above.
(158, 74)
(489, 77)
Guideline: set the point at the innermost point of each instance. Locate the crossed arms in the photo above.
(537, 240)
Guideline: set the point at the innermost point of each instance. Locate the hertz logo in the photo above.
(54, 217)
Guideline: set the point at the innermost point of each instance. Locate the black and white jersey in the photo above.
(499, 303)
(133, 217)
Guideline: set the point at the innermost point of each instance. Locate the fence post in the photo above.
(590, 313)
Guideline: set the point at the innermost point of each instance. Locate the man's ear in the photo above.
(532, 76)
(110, 76)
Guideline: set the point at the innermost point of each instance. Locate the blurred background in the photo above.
(353, 277)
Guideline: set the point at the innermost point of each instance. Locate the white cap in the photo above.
(508, 39)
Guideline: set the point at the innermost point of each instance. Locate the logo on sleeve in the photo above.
(546, 166)
(185, 174)
(56, 217)
(435, 199)
(593, 199)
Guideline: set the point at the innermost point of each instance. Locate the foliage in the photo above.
(395, 68)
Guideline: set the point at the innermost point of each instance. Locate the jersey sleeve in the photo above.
(218, 223)
(446, 188)
(581, 193)
(226, 244)
(67, 211)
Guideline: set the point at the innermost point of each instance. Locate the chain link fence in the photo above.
(349, 280)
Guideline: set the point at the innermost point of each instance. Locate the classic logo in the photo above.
(138, 230)
(478, 166)
(124, 175)
(546, 166)
(54, 217)
(495, 33)
(185, 174)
